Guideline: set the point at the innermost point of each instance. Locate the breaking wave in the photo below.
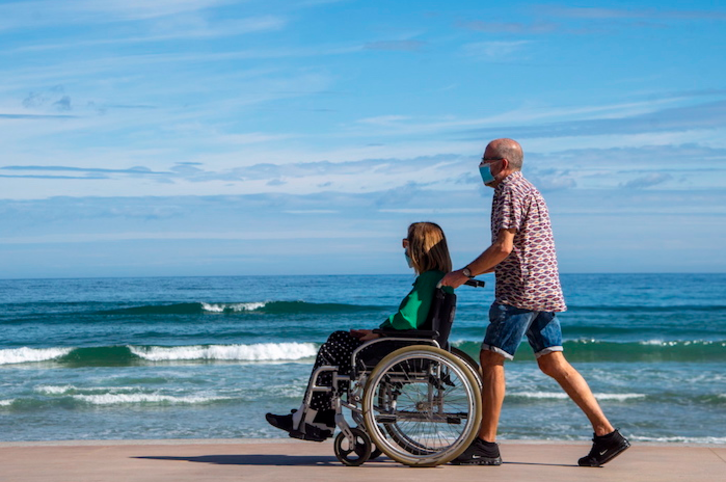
(134, 355)
(30, 355)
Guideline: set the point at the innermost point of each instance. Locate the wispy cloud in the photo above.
(35, 116)
(384, 120)
(133, 170)
(594, 18)
(48, 176)
(20, 15)
(396, 45)
(649, 180)
(494, 50)
(538, 27)
(702, 116)
(141, 9)
(162, 31)
(594, 13)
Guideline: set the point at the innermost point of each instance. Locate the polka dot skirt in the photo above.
(337, 352)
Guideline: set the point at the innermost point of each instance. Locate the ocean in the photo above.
(206, 357)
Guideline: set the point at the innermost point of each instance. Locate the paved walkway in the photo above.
(297, 461)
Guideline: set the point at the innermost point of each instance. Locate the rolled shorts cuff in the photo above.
(549, 349)
(495, 349)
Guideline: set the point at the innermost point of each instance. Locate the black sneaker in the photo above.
(604, 449)
(479, 453)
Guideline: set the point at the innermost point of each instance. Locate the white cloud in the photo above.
(649, 180)
(384, 120)
(395, 45)
(29, 14)
(493, 50)
(595, 13)
(140, 9)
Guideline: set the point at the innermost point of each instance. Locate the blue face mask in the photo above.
(486, 174)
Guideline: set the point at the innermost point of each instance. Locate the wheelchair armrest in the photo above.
(406, 333)
(392, 336)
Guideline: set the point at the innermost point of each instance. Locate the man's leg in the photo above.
(555, 365)
(492, 366)
(608, 443)
(483, 450)
(506, 327)
(545, 336)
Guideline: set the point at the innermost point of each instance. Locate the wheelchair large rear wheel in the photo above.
(471, 363)
(422, 406)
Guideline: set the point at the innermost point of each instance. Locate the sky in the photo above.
(287, 137)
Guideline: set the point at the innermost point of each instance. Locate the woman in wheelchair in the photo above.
(427, 253)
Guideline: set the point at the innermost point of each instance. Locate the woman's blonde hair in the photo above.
(427, 248)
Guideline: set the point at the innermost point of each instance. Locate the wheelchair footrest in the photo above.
(312, 433)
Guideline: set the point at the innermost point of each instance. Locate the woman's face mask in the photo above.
(409, 261)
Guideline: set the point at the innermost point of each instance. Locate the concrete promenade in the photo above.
(296, 461)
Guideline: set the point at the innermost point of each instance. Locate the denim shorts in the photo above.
(508, 326)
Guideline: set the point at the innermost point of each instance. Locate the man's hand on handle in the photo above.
(454, 279)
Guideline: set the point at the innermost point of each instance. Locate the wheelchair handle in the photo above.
(476, 283)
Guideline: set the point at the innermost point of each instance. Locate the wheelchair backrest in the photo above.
(441, 316)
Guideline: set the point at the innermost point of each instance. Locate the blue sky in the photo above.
(221, 137)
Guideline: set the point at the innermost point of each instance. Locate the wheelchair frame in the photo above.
(442, 389)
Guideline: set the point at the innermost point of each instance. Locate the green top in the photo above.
(415, 306)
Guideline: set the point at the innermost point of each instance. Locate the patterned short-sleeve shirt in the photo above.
(529, 278)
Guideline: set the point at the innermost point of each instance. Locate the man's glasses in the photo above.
(489, 160)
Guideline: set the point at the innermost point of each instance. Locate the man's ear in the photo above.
(505, 164)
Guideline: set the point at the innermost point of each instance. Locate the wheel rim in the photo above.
(471, 364)
(427, 402)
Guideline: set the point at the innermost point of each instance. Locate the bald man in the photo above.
(528, 296)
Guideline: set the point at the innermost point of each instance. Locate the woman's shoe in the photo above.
(321, 429)
(283, 422)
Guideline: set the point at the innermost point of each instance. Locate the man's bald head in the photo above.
(508, 149)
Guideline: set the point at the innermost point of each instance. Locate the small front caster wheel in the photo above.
(353, 454)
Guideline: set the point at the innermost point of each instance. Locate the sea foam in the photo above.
(235, 307)
(121, 399)
(54, 389)
(29, 355)
(64, 390)
(679, 439)
(563, 396)
(256, 352)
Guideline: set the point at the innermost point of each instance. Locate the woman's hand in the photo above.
(364, 335)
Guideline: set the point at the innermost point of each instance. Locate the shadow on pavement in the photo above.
(549, 465)
(280, 460)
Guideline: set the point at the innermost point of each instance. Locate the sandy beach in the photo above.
(283, 460)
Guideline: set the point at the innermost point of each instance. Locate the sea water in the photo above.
(195, 357)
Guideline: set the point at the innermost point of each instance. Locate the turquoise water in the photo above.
(138, 358)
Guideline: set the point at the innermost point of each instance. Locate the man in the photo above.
(528, 296)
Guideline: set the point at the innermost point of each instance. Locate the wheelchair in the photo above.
(413, 397)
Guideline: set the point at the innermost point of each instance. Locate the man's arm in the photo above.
(487, 261)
